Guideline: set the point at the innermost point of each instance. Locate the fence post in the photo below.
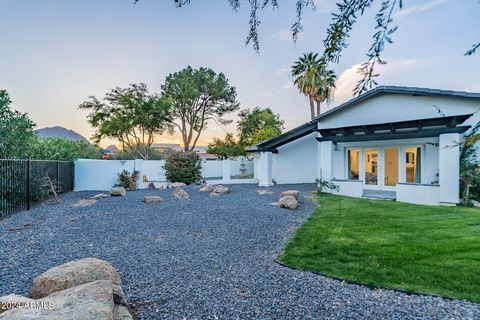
(58, 174)
(28, 184)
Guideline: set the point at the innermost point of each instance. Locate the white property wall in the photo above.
(296, 162)
(103, 174)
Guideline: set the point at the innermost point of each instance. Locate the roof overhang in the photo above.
(422, 128)
(296, 133)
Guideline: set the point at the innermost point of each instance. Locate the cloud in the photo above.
(282, 35)
(267, 94)
(288, 85)
(348, 79)
(419, 8)
(282, 71)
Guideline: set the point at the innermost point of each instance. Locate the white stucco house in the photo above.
(390, 142)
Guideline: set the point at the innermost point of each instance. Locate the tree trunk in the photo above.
(318, 108)
(312, 107)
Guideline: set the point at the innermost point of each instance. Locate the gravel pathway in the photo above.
(209, 257)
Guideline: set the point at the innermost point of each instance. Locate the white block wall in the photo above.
(103, 174)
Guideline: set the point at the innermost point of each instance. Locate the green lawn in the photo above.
(423, 249)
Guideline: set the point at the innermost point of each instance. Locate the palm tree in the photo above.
(312, 78)
(325, 87)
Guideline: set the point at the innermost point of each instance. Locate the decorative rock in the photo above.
(151, 186)
(99, 196)
(178, 184)
(288, 202)
(121, 312)
(92, 300)
(13, 301)
(83, 203)
(476, 204)
(294, 193)
(118, 191)
(162, 187)
(73, 274)
(264, 191)
(219, 190)
(206, 188)
(118, 295)
(152, 199)
(181, 194)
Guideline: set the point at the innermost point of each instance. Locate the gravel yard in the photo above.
(208, 257)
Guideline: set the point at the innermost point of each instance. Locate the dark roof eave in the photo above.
(395, 135)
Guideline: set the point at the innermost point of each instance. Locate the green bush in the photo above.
(127, 180)
(183, 167)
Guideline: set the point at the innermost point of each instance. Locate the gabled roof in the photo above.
(286, 137)
(311, 126)
(413, 91)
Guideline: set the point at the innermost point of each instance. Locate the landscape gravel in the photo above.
(203, 258)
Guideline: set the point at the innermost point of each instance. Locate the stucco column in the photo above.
(449, 168)
(227, 170)
(326, 160)
(265, 169)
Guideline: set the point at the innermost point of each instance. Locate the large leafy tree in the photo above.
(63, 149)
(339, 30)
(198, 96)
(226, 148)
(314, 80)
(257, 124)
(132, 115)
(16, 130)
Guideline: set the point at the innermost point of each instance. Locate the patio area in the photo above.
(207, 257)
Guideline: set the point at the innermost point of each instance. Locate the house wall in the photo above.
(296, 162)
(418, 194)
(398, 107)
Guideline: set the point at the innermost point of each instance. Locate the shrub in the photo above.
(127, 180)
(183, 167)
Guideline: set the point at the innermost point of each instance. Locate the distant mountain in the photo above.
(59, 132)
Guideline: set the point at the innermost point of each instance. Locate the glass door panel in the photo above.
(412, 164)
(353, 164)
(371, 166)
(391, 167)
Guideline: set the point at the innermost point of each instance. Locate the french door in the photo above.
(381, 166)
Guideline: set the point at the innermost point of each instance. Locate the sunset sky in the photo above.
(54, 54)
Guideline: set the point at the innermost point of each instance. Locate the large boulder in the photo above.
(219, 190)
(206, 188)
(72, 274)
(288, 202)
(13, 301)
(118, 191)
(152, 199)
(92, 300)
(178, 184)
(293, 193)
(180, 194)
(121, 312)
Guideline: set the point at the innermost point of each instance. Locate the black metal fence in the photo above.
(24, 182)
